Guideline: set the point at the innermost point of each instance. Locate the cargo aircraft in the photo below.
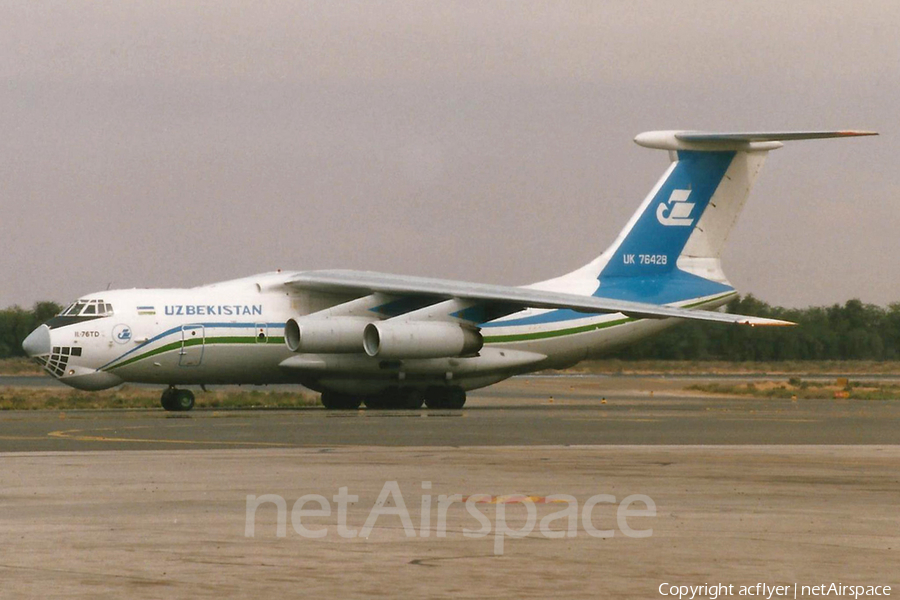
(393, 341)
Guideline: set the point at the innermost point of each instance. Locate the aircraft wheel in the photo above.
(447, 399)
(168, 399)
(379, 402)
(456, 399)
(410, 400)
(396, 400)
(333, 401)
(183, 400)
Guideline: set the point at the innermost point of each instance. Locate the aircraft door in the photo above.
(192, 342)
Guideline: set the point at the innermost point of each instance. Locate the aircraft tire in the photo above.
(378, 402)
(333, 401)
(410, 400)
(183, 400)
(445, 399)
(167, 400)
(396, 400)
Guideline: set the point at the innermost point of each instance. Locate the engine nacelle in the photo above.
(420, 339)
(335, 335)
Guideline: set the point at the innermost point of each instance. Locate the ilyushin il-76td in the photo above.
(393, 341)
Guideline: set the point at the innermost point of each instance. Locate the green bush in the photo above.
(16, 323)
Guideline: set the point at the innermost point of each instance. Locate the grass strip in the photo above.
(721, 367)
(796, 388)
(131, 397)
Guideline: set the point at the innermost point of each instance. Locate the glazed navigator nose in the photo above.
(38, 342)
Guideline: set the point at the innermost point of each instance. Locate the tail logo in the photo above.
(677, 212)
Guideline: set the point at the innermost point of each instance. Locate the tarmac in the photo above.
(679, 489)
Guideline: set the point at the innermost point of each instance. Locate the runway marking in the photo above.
(426, 562)
(99, 575)
(381, 414)
(73, 434)
(513, 499)
(616, 419)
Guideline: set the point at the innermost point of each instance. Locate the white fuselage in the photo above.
(233, 333)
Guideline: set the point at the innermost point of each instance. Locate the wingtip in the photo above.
(857, 133)
(764, 322)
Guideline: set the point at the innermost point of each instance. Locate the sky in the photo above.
(171, 144)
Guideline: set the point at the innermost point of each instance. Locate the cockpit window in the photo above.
(92, 308)
(74, 310)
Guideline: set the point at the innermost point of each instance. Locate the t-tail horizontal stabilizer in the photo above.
(758, 140)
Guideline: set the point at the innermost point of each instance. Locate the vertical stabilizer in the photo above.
(669, 216)
(670, 250)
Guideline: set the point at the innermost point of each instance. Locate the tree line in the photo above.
(16, 323)
(852, 331)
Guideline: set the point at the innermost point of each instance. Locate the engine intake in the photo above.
(420, 339)
(339, 335)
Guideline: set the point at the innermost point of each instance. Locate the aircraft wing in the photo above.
(514, 298)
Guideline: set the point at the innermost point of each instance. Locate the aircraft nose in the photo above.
(37, 342)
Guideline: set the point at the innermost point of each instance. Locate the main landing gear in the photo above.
(446, 398)
(177, 400)
(335, 401)
(433, 398)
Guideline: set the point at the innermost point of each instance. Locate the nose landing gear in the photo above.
(177, 400)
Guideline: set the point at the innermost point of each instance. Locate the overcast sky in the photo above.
(169, 144)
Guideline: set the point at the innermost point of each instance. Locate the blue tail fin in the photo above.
(652, 244)
(670, 250)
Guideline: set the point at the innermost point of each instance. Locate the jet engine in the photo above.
(336, 335)
(420, 339)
